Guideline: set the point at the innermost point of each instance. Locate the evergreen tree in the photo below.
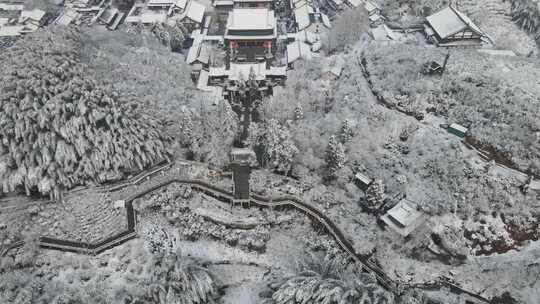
(346, 133)
(375, 195)
(335, 156)
(298, 112)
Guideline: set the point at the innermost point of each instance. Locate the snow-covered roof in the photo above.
(297, 50)
(11, 31)
(67, 17)
(450, 21)
(379, 33)
(326, 20)
(195, 11)
(375, 17)
(306, 36)
(299, 4)
(35, 14)
(11, 7)
(458, 127)
(218, 71)
(29, 27)
(161, 2)
(198, 52)
(202, 82)
(277, 71)
(404, 213)
(251, 19)
(108, 15)
(181, 4)
(371, 7)
(148, 17)
(301, 15)
(363, 179)
(333, 65)
(354, 3)
(223, 3)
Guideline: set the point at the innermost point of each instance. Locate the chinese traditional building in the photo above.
(250, 34)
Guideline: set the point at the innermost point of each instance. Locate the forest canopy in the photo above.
(60, 126)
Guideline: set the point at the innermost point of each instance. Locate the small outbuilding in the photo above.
(457, 130)
(404, 217)
(363, 182)
(297, 50)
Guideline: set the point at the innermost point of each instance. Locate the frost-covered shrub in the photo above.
(327, 280)
(178, 279)
(59, 126)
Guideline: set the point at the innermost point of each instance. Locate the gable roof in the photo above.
(11, 31)
(198, 52)
(355, 3)
(151, 17)
(297, 50)
(301, 15)
(11, 7)
(160, 2)
(35, 14)
(251, 19)
(195, 11)
(450, 21)
(181, 4)
(202, 82)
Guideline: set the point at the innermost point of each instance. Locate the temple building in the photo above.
(250, 34)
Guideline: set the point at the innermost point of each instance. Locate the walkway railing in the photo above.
(227, 196)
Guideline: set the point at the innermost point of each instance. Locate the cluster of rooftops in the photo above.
(253, 37)
(15, 20)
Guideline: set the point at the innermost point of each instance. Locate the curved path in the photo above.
(227, 196)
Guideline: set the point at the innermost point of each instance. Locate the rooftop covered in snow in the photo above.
(251, 23)
(450, 21)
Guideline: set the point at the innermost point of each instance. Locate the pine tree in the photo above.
(335, 156)
(346, 133)
(375, 195)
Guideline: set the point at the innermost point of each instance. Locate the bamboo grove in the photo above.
(60, 127)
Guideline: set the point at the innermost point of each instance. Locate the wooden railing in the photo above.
(227, 196)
